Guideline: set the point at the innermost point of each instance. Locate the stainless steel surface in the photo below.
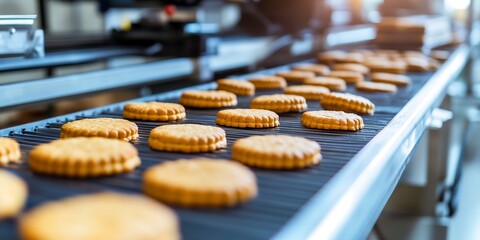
(19, 38)
(354, 198)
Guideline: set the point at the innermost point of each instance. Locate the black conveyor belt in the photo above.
(281, 193)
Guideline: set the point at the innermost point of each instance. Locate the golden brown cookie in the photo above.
(332, 120)
(84, 157)
(13, 194)
(100, 127)
(348, 103)
(376, 87)
(309, 92)
(398, 67)
(280, 103)
(9, 151)
(349, 77)
(189, 138)
(296, 76)
(330, 57)
(268, 82)
(351, 67)
(200, 182)
(239, 87)
(208, 99)
(106, 216)
(276, 152)
(154, 111)
(351, 58)
(318, 69)
(397, 79)
(334, 84)
(247, 118)
(417, 64)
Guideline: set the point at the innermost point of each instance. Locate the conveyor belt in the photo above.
(281, 193)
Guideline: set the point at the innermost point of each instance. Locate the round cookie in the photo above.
(348, 103)
(309, 92)
(376, 87)
(351, 58)
(9, 151)
(330, 57)
(239, 87)
(100, 127)
(396, 79)
(349, 77)
(200, 182)
(351, 67)
(84, 157)
(276, 152)
(334, 84)
(154, 111)
(268, 82)
(188, 138)
(13, 194)
(106, 216)
(247, 118)
(296, 76)
(208, 99)
(332, 120)
(318, 69)
(280, 103)
(398, 67)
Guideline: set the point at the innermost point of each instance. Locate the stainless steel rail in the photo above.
(348, 206)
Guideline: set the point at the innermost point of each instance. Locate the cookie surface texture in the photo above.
(318, 69)
(247, 118)
(13, 196)
(268, 82)
(351, 67)
(154, 111)
(100, 127)
(348, 103)
(309, 92)
(334, 84)
(348, 76)
(200, 183)
(397, 79)
(376, 87)
(276, 152)
(84, 157)
(296, 76)
(9, 151)
(239, 87)
(280, 103)
(208, 99)
(332, 120)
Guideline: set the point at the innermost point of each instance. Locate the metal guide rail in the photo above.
(291, 204)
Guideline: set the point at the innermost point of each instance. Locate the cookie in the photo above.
(351, 67)
(188, 138)
(318, 69)
(334, 84)
(100, 127)
(268, 82)
(376, 87)
(276, 152)
(247, 118)
(296, 76)
(330, 57)
(417, 64)
(351, 58)
(106, 216)
(208, 99)
(347, 102)
(349, 77)
(332, 120)
(154, 111)
(440, 55)
(309, 92)
(84, 157)
(9, 151)
(13, 196)
(397, 79)
(398, 67)
(200, 183)
(239, 87)
(280, 103)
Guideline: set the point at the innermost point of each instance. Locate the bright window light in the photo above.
(457, 4)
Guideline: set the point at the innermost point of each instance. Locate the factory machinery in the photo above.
(184, 45)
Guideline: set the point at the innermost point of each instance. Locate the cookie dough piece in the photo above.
(318, 69)
(376, 87)
(348, 103)
(84, 157)
(268, 82)
(13, 194)
(239, 87)
(351, 67)
(200, 183)
(349, 77)
(309, 92)
(280, 103)
(208, 99)
(276, 152)
(154, 111)
(9, 151)
(397, 79)
(100, 127)
(188, 138)
(334, 84)
(106, 216)
(296, 76)
(248, 118)
(332, 120)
